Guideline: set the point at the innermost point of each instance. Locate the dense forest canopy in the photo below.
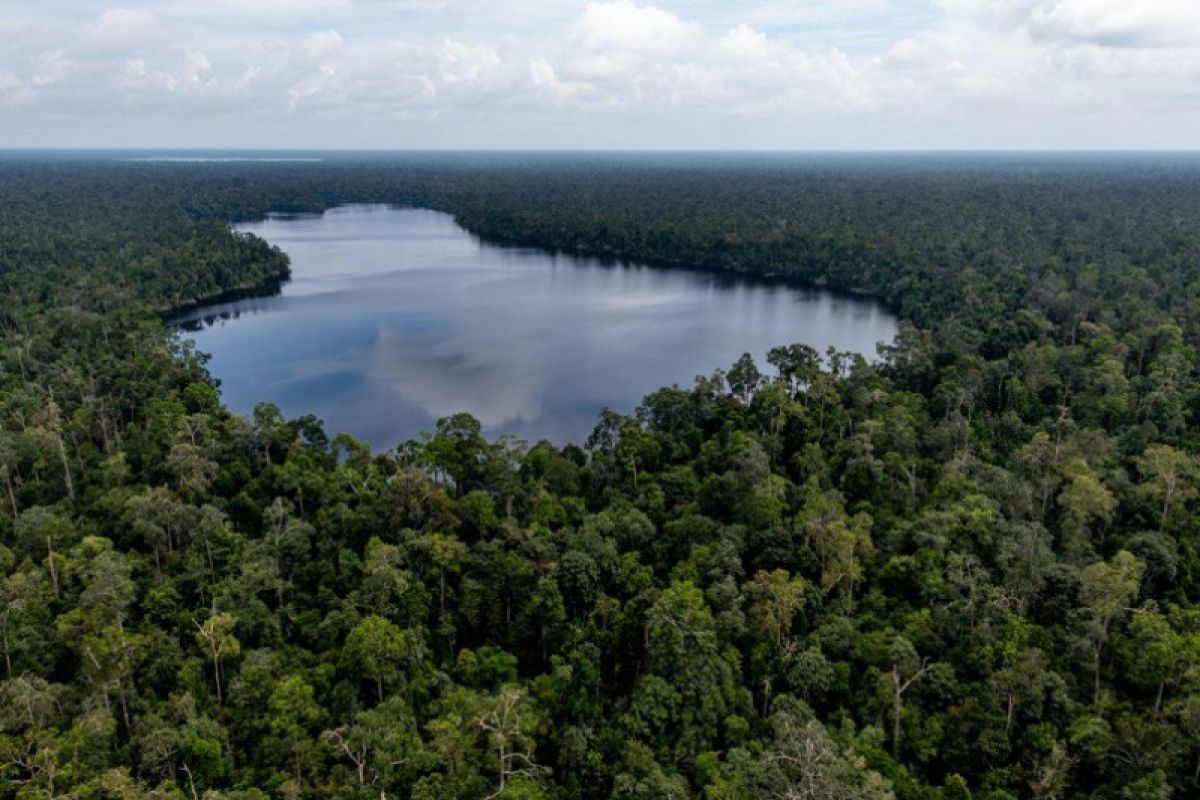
(966, 570)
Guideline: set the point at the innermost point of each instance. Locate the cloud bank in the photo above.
(605, 73)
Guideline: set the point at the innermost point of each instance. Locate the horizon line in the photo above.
(605, 150)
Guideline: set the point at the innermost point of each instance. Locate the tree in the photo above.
(1158, 653)
(389, 588)
(380, 650)
(907, 667)
(110, 658)
(29, 702)
(457, 450)
(1051, 772)
(1085, 503)
(379, 744)
(1169, 476)
(1107, 590)
(798, 365)
(160, 519)
(1022, 682)
(446, 554)
(10, 473)
(40, 530)
(843, 543)
(683, 648)
(509, 721)
(110, 589)
(800, 762)
(193, 470)
(215, 637)
(292, 712)
(744, 378)
(775, 597)
(23, 616)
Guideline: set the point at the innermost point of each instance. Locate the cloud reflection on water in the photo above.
(397, 317)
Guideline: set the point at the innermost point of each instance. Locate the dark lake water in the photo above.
(395, 317)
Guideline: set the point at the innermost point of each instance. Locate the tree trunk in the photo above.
(125, 708)
(66, 465)
(12, 498)
(897, 709)
(53, 570)
(217, 678)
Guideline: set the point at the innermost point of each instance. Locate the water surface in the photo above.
(396, 317)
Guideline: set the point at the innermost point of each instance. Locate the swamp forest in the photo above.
(962, 566)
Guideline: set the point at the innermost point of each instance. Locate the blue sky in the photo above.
(774, 74)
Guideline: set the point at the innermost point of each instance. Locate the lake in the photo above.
(396, 317)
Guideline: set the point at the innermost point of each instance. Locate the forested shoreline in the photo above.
(966, 570)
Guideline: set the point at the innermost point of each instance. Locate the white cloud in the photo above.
(622, 26)
(1113, 23)
(13, 92)
(744, 43)
(630, 73)
(52, 67)
(468, 64)
(120, 30)
(325, 84)
(1119, 22)
(566, 94)
(321, 45)
(191, 76)
(1051, 58)
(258, 10)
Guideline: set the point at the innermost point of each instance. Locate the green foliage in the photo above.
(966, 570)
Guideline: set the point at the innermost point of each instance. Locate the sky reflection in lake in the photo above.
(395, 317)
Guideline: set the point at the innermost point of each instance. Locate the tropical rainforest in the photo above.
(967, 568)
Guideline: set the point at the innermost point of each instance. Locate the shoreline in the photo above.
(273, 285)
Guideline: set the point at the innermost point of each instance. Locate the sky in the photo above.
(604, 74)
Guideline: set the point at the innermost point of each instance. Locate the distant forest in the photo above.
(966, 569)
